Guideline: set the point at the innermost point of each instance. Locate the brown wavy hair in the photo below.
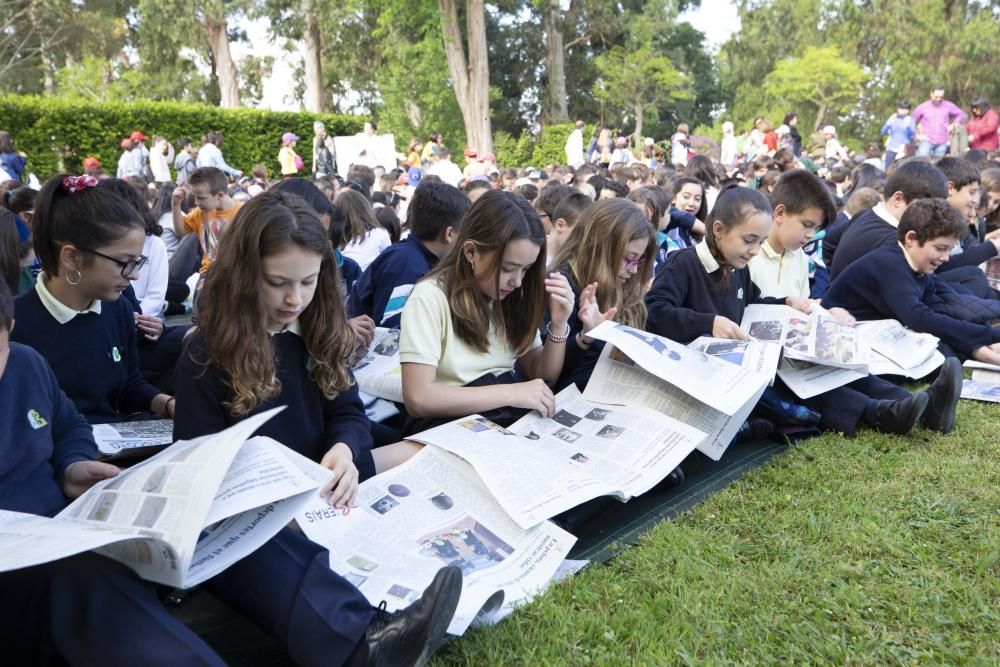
(595, 249)
(233, 320)
(496, 219)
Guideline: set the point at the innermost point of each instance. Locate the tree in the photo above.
(469, 68)
(636, 81)
(819, 80)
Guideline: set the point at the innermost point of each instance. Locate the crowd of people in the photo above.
(494, 275)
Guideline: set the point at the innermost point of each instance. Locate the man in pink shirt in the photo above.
(934, 119)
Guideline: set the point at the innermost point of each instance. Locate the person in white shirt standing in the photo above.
(160, 157)
(574, 146)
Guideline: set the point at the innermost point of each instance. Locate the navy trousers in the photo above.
(90, 610)
(841, 408)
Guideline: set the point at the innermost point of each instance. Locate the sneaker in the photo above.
(409, 636)
(900, 416)
(943, 397)
(754, 430)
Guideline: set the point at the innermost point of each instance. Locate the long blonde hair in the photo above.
(595, 250)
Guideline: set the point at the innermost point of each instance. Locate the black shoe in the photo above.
(943, 397)
(409, 636)
(753, 430)
(671, 481)
(900, 416)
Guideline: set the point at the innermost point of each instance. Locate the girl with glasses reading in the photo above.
(89, 241)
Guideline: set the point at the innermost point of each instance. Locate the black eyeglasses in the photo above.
(127, 267)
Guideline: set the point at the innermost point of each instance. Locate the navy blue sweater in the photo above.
(685, 299)
(382, 290)
(311, 423)
(882, 285)
(41, 433)
(94, 356)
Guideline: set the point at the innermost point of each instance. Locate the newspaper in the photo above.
(429, 512)
(983, 371)
(992, 270)
(818, 337)
(618, 380)
(541, 466)
(905, 348)
(378, 373)
(981, 391)
(879, 364)
(177, 518)
(754, 355)
(116, 439)
(806, 379)
(722, 386)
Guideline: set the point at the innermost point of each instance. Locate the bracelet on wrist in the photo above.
(553, 337)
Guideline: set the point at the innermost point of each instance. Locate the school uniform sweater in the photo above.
(688, 293)
(41, 434)
(382, 290)
(882, 284)
(94, 355)
(310, 424)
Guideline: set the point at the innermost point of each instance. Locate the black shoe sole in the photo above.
(944, 421)
(445, 605)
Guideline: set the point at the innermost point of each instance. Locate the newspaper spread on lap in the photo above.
(904, 348)
(541, 466)
(378, 373)
(806, 379)
(429, 512)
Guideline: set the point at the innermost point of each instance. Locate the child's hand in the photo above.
(842, 316)
(560, 301)
(150, 326)
(364, 330)
(342, 489)
(723, 327)
(589, 311)
(180, 192)
(799, 303)
(533, 395)
(81, 475)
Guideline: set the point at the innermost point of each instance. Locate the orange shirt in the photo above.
(208, 226)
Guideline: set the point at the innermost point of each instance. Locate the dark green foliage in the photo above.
(57, 134)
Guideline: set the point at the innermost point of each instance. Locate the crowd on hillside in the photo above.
(494, 277)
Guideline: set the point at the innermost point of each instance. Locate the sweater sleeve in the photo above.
(136, 394)
(361, 299)
(201, 394)
(72, 436)
(346, 422)
(666, 314)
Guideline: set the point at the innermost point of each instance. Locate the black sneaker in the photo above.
(409, 636)
(943, 397)
(754, 430)
(900, 416)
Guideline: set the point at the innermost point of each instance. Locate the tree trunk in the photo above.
(316, 100)
(820, 115)
(555, 110)
(470, 77)
(640, 111)
(218, 41)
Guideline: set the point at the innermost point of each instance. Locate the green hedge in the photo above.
(531, 151)
(57, 134)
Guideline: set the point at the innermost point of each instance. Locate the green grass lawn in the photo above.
(872, 550)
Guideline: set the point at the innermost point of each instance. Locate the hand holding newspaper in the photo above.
(818, 338)
(177, 518)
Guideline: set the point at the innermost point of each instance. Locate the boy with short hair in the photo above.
(215, 209)
(897, 281)
(564, 217)
(434, 215)
(185, 163)
(963, 195)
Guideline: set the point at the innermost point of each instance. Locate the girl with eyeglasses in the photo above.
(89, 241)
(608, 262)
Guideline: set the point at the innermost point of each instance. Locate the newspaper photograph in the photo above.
(716, 383)
(114, 439)
(378, 372)
(542, 466)
(818, 337)
(751, 354)
(427, 513)
(617, 380)
(807, 379)
(767, 323)
(981, 391)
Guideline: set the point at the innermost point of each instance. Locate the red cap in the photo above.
(138, 136)
(91, 162)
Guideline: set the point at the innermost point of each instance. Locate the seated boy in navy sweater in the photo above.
(899, 282)
(433, 215)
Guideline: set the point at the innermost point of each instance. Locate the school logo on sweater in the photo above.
(739, 294)
(116, 355)
(36, 420)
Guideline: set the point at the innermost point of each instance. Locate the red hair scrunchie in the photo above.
(76, 183)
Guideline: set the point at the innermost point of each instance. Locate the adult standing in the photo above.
(934, 120)
(901, 131)
(792, 121)
(210, 155)
(11, 162)
(160, 158)
(574, 146)
(323, 152)
(982, 126)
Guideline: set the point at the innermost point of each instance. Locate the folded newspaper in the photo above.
(706, 392)
(897, 350)
(378, 371)
(540, 466)
(177, 518)
(136, 438)
(978, 390)
(429, 512)
(983, 372)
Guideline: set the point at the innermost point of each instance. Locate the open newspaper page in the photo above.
(378, 372)
(150, 517)
(978, 390)
(819, 337)
(427, 513)
(541, 466)
(767, 323)
(719, 385)
(903, 348)
(752, 354)
(117, 439)
(618, 380)
(807, 379)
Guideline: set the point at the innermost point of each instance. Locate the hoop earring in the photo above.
(79, 277)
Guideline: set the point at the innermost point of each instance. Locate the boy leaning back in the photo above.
(215, 209)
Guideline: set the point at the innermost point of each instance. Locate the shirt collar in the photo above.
(58, 310)
(769, 252)
(705, 257)
(292, 328)
(881, 211)
(913, 267)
